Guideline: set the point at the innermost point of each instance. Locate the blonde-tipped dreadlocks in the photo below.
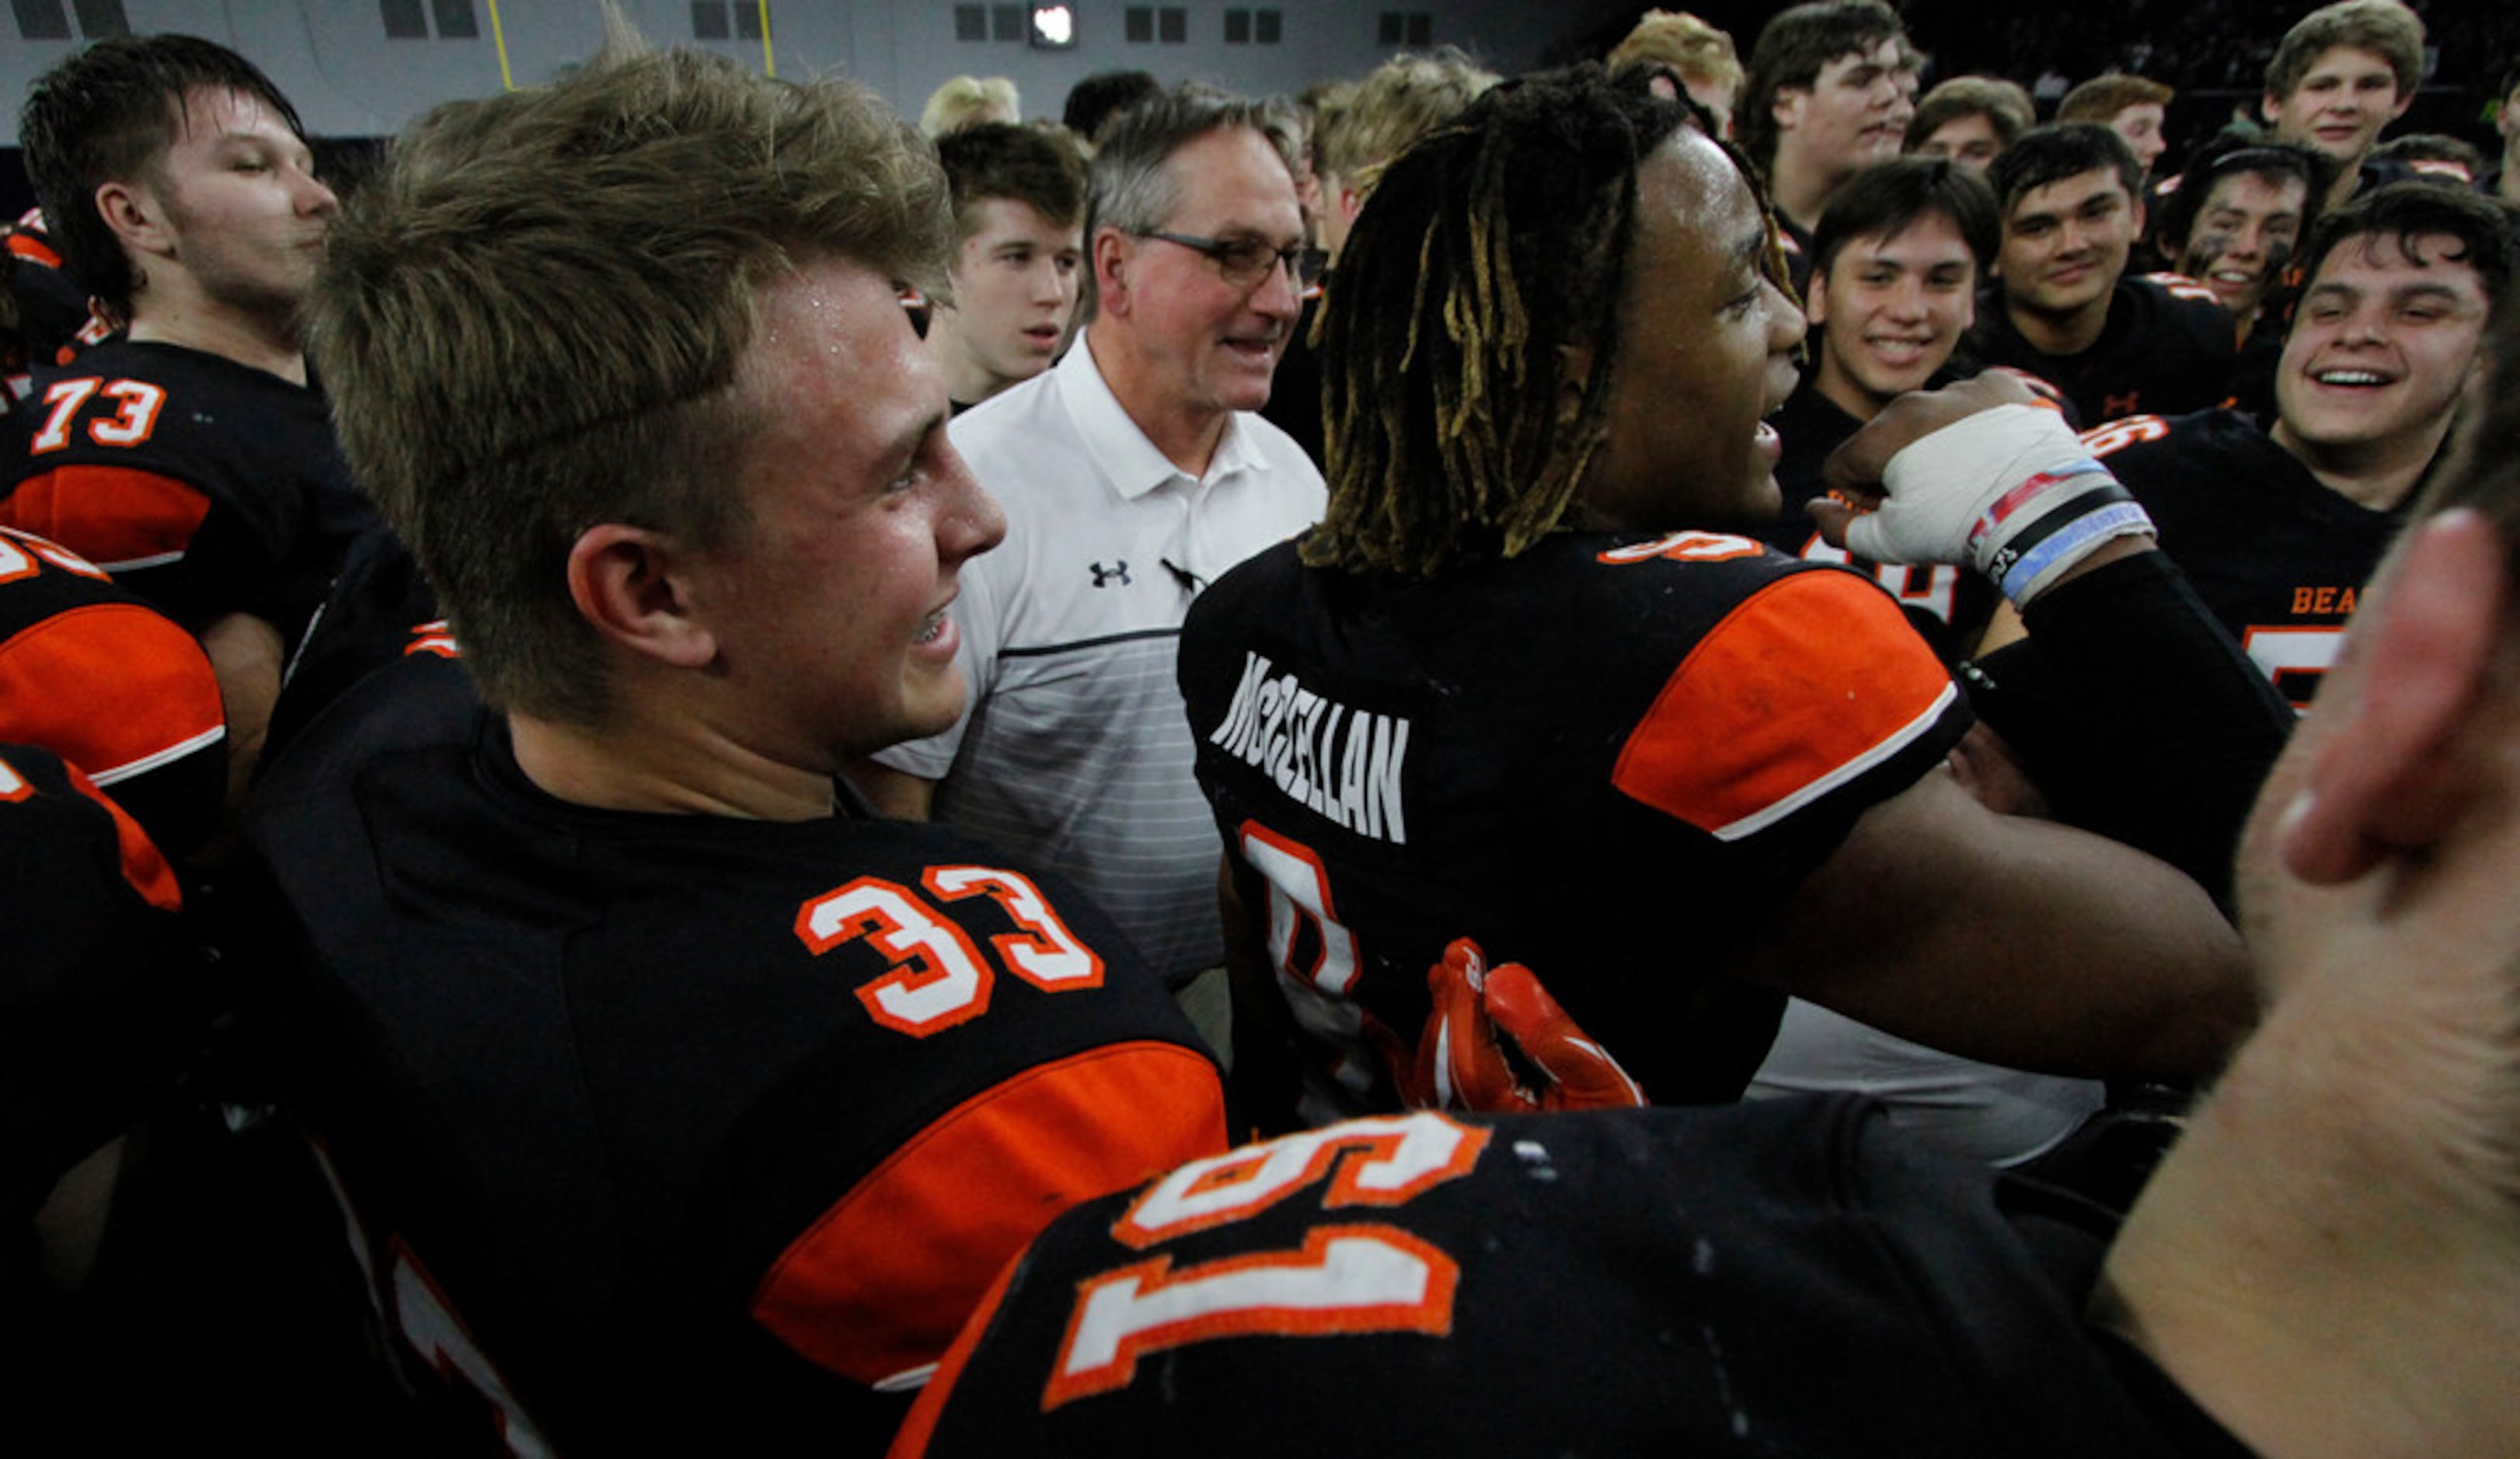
(1452, 426)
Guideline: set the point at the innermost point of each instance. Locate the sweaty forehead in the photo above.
(1698, 186)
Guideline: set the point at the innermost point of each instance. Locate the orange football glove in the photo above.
(1461, 1065)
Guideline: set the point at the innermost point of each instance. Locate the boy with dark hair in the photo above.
(1018, 218)
(1895, 268)
(188, 457)
(2279, 528)
(2133, 107)
(2234, 224)
(1969, 119)
(1093, 102)
(2062, 307)
(1830, 90)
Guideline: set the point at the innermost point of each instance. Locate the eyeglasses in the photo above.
(1246, 261)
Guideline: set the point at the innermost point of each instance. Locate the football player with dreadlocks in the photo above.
(1522, 684)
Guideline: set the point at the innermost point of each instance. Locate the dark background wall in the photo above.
(361, 68)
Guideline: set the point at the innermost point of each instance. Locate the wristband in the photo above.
(2008, 491)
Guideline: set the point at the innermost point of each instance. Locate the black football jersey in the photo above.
(2280, 558)
(1780, 1277)
(379, 607)
(1945, 606)
(1600, 759)
(110, 685)
(2168, 348)
(90, 988)
(686, 1133)
(52, 306)
(205, 486)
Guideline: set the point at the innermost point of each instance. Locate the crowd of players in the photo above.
(630, 758)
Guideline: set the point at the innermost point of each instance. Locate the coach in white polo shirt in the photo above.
(1132, 475)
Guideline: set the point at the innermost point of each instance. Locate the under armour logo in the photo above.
(1104, 577)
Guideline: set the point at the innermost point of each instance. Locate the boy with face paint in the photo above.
(2234, 224)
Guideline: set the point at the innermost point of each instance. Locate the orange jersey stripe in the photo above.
(113, 688)
(142, 864)
(34, 251)
(881, 1282)
(1808, 684)
(117, 517)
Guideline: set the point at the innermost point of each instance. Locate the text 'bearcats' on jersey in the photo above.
(1396, 766)
(1785, 1277)
(2279, 557)
(709, 1131)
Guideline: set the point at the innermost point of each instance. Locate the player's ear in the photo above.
(2392, 770)
(626, 583)
(133, 214)
(1785, 106)
(1815, 299)
(2269, 107)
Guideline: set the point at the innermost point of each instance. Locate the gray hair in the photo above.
(1130, 188)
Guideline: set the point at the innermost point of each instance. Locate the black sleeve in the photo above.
(2138, 715)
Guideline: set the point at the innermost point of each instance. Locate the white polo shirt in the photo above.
(1075, 748)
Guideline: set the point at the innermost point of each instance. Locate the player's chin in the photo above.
(1756, 507)
(931, 700)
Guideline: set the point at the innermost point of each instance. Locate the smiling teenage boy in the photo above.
(1830, 90)
(2063, 307)
(2279, 528)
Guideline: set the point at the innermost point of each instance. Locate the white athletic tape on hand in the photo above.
(2008, 491)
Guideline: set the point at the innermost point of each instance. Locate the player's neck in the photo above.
(2377, 474)
(1843, 391)
(2348, 179)
(1800, 189)
(1186, 435)
(2062, 335)
(171, 314)
(680, 766)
